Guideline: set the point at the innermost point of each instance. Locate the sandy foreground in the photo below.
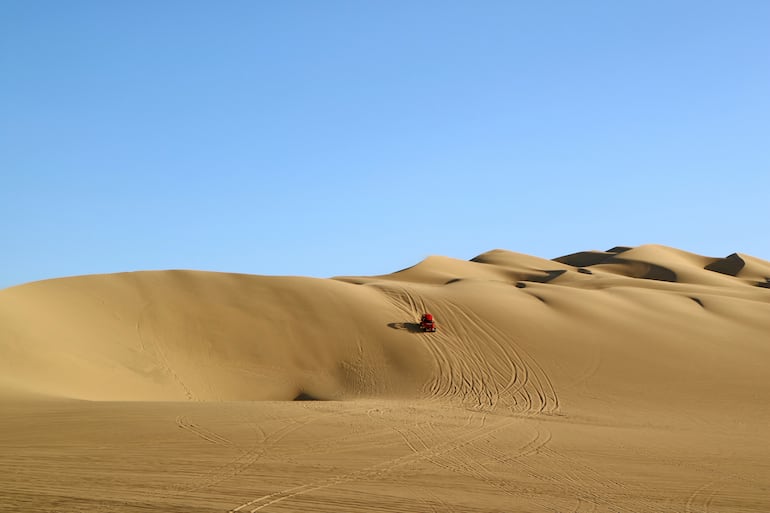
(631, 380)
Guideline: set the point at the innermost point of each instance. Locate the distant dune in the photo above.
(175, 335)
(651, 334)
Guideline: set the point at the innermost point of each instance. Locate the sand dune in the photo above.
(632, 379)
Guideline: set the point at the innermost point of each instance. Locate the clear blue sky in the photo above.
(357, 137)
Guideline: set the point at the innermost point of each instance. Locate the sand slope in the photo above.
(203, 336)
(573, 384)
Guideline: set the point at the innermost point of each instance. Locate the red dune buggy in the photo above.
(427, 323)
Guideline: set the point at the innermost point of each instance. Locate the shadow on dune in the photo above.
(656, 272)
(304, 396)
(411, 327)
(539, 278)
(589, 258)
(549, 275)
(731, 265)
(634, 268)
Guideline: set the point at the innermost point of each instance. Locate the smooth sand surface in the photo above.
(623, 381)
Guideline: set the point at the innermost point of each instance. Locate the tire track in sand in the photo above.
(441, 383)
(150, 342)
(206, 434)
(476, 362)
(701, 499)
(460, 372)
(264, 442)
(535, 382)
(428, 452)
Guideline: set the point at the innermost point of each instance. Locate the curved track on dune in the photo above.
(475, 362)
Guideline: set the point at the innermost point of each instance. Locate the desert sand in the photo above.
(631, 380)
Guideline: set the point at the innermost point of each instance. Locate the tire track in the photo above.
(535, 381)
(350, 441)
(476, 363)
(701, 499)
(427, 452)
(382, 440)
(201, 432)
(441, 383)
(496, 378)
(493, 370)
(248, 457)
(147, 338)
(461, 372)
(589, 487)
(480, 460)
